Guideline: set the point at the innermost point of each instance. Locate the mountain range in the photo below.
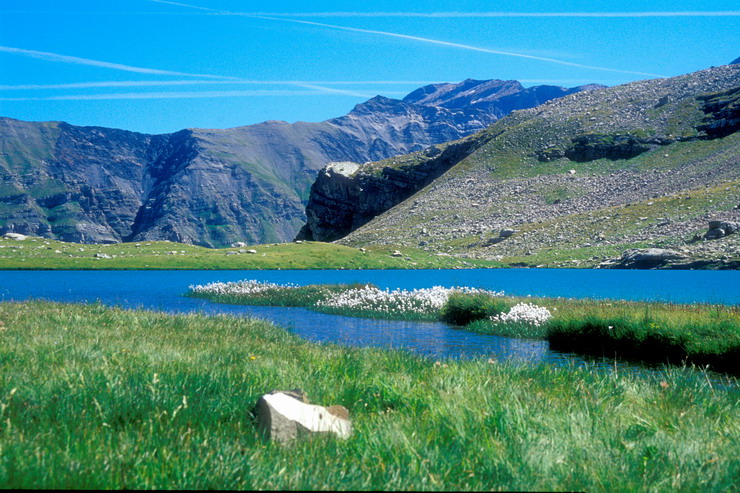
(216, 187)
(582, 180)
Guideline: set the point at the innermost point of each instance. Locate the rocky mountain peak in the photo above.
(465, 93)
(374, 104)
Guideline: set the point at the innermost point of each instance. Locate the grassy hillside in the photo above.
(583, 178)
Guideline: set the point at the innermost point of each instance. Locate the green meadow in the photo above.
(45, 254)
(97, 397)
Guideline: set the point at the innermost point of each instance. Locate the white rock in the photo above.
(282, 417)
(15, 236)
(252, 251)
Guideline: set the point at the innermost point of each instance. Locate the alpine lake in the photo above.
(164, 291)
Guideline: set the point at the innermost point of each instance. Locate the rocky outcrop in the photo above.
(344, 198)
(591, 147)
(720, 229)
(215, 187)
(649, 258)
(722, 113)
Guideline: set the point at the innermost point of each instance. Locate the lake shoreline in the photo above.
(702, 335)
(36, 253)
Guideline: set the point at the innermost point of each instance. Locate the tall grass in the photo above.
(95, 397)
(464, 308)
(711, 342)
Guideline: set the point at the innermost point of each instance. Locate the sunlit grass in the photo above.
(41, 253)
(95, 397)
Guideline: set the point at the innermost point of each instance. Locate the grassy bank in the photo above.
(700, 334)
(101, 397)
(652, 332)
(40, 253)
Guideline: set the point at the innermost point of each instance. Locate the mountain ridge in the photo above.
(210, 187)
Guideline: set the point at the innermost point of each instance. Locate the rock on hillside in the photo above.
(214, 187)
(581, 179)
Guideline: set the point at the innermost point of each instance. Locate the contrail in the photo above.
(184, 5)
(442, 15)
(147, 83)
(56, 57)
(416, 38)
(172, 95)
(458, 45)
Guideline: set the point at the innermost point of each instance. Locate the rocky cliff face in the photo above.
(580, 178)
(346, 195)
(214, 187)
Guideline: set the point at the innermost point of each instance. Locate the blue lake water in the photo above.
(162, 290)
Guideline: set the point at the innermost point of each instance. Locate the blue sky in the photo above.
(159, 66)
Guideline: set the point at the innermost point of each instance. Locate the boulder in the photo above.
(720, 229)
(238, 244)
(648, 258)
(494, 240)
(506, 233)
(283, 416)
(396, 254)
(14, 236)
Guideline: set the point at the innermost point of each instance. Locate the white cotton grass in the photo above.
(526, 313)
(398, 301)
(365, 298)
(239, 287)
